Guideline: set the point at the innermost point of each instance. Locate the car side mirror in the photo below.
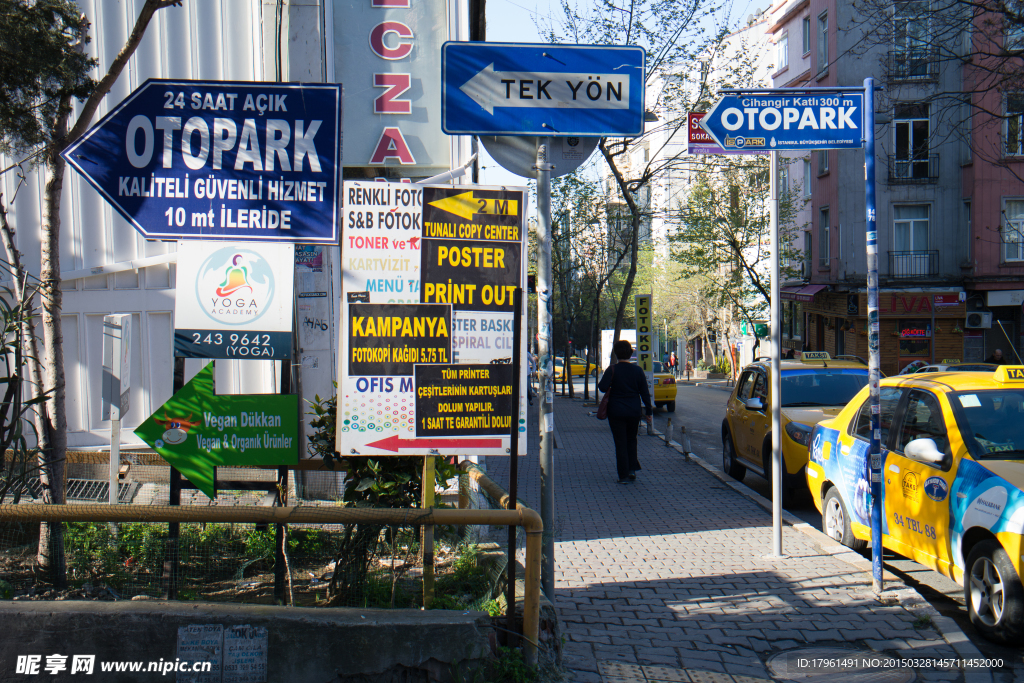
(754, 404)
(924, 450)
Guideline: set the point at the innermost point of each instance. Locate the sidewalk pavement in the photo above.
(669, 578)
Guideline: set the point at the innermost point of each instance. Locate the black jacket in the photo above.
(629, 387)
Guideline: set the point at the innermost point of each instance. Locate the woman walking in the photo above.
(628, 386)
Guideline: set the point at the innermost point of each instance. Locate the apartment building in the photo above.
(949, 195)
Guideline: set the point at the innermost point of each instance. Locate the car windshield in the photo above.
(657, 367)
(812, 387)
(993, 417)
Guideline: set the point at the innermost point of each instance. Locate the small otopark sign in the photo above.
(546, 90)
(756, 122)
(220, 160)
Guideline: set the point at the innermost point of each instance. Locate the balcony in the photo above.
(905, 265)
(912, 65)
(913, 171)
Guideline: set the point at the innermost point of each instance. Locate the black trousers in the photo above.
(624, 431)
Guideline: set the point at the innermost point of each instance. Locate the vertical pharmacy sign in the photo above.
(427, 324)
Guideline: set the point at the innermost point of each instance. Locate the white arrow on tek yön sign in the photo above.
(529, 89)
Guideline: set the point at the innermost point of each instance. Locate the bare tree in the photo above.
(673, 34)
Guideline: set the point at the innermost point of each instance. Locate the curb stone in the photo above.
(909, 597)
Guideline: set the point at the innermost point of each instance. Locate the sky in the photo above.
(514, 21)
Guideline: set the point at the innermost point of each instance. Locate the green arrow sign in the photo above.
(196, 431)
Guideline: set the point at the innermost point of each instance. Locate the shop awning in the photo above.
(801, 293)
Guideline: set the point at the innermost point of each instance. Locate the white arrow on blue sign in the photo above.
(545, 90)
(220, 160)
(765, 121)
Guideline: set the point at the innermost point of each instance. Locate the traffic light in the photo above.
(531, 284)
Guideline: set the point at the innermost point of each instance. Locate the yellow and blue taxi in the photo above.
(952, 447)
(813, 389)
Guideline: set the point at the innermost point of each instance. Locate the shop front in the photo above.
(924, 325)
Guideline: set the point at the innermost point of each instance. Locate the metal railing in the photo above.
(914, 170)
(522, 516)
(913, 264)
(911, 65)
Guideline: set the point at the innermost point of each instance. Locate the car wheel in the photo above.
(729, 463)
(835, 521)
(670, 406)
(993, 593)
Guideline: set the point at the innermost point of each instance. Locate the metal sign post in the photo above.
(547, 367)
(773, 119)
(776, 374)
(875, 460)
(555, 92)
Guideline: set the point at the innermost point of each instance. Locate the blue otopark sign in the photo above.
(220, 160)
(766, 121)
(544, 90)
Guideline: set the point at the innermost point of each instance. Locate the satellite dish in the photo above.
(517, 154)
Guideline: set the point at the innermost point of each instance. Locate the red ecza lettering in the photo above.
(392, 40)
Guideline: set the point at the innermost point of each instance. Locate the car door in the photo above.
(854, 452)
(758, 423)
(736, 412)
(916, 505)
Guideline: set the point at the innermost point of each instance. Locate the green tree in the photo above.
(45, 70)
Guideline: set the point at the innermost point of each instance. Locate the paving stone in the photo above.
(608, 668)
(665, 673)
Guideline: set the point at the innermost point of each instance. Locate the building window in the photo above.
(805, 47)
(822, 162)
(1013, 230)
(1015, 124)
(822, 41)
(807, 177)
(1013, 32)
(824, 245)
(782, 52)
(910, 237)
(911, 129)
(783, 180)
(911, 37)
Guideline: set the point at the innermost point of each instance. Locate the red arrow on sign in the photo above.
(393, 443)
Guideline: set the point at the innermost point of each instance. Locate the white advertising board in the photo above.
(234, 300)
(427, 325)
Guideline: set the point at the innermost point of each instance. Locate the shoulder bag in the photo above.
(602, 410)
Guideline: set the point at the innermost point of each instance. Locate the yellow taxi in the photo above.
(577, 367)
(664, 388)
(813, 389)
(952, 447)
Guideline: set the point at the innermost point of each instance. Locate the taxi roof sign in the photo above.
(815, 355)
(1009, 373)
